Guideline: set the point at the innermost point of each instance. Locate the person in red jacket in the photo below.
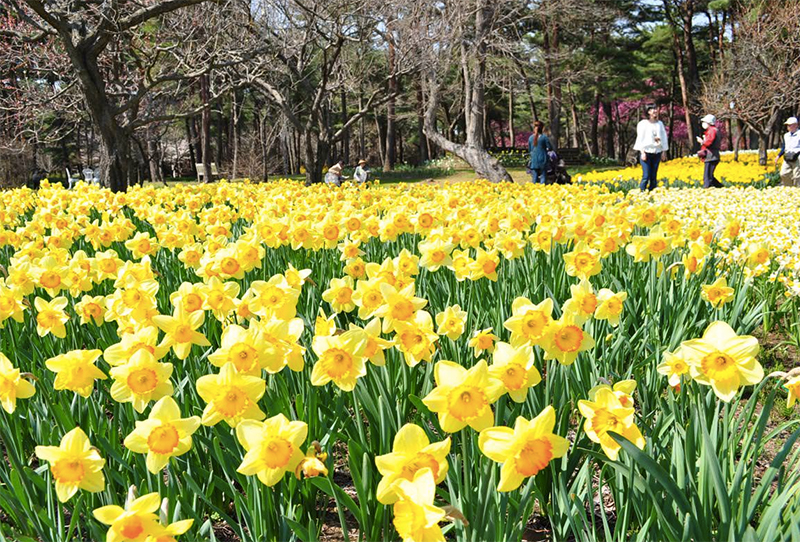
(709, 151)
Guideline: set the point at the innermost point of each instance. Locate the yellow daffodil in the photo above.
(723, 360)
(164, 434)
(607, 414)
(610, 305)
(50, 317)
(674, 366)
(91, 309)
(583, 302)
(340, 295)
(399, 306)
(145, 338)
(313, 464)
(482, 341)
(188, 296)
(411, 452)
(565, 340)
(525, 450)
(435, 253)
(451, 322)
(718, 293)
(463, 397)
(623, 390)
(792, 385)
(416, 339)
(241, 347)
(76, 371)
(273, 447)
(230, 396)
(529, 323)
(514, 368)
(416, 518)
(74, 464)
(141, 380)
(181, 331)
(13, 385)
(135, 523)
(582, 262)
(280, 340)
(220, 297)
(374, 350)
(485, 265)
(274, 298)
(341, 359)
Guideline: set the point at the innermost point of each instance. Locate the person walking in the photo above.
(652, 145)
(334, 176)
(709, 151)
(538, 147)
(790, 151)
(361, 173)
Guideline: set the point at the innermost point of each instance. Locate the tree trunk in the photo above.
(390, 156)
(691, 65)
(685, 101)
(381, 139)
(235, 136)
(221, 124)
(423, 143)
(115, 159)
(485, 165)
(152, 161)
(206, 128)
(763, 141)
(609, 129)
(400, 156)
(553, 85)
(511, 132)
(574, 111)
(190, 139)
(362, 130)
(740, 128)
(262, 136)
(315, 152)
(346, 136)
(595, 150)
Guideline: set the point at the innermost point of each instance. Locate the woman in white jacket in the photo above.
(651, 142)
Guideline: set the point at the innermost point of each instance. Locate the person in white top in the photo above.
(790, 151)
(361, 173)
(651, 142)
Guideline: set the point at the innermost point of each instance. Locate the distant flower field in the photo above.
(688, 172)
(414, 362)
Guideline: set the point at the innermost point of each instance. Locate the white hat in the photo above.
(709, 119)
(336, 168)
(791, 120)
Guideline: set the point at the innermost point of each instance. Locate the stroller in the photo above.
(557, 170)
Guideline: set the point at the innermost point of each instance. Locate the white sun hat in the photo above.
(709, 119)
(791, 120)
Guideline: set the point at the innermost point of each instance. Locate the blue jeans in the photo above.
(539, 176)
(650, 171)
(709, 181)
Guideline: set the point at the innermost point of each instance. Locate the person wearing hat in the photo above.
(790, 151)
(709, 151)
(361, 173)
(651, 142)
(334, 175)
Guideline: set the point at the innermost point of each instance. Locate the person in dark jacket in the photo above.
(36, 178)
(538, 147)
(709, 151)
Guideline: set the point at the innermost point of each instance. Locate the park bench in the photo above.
(201, 176)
